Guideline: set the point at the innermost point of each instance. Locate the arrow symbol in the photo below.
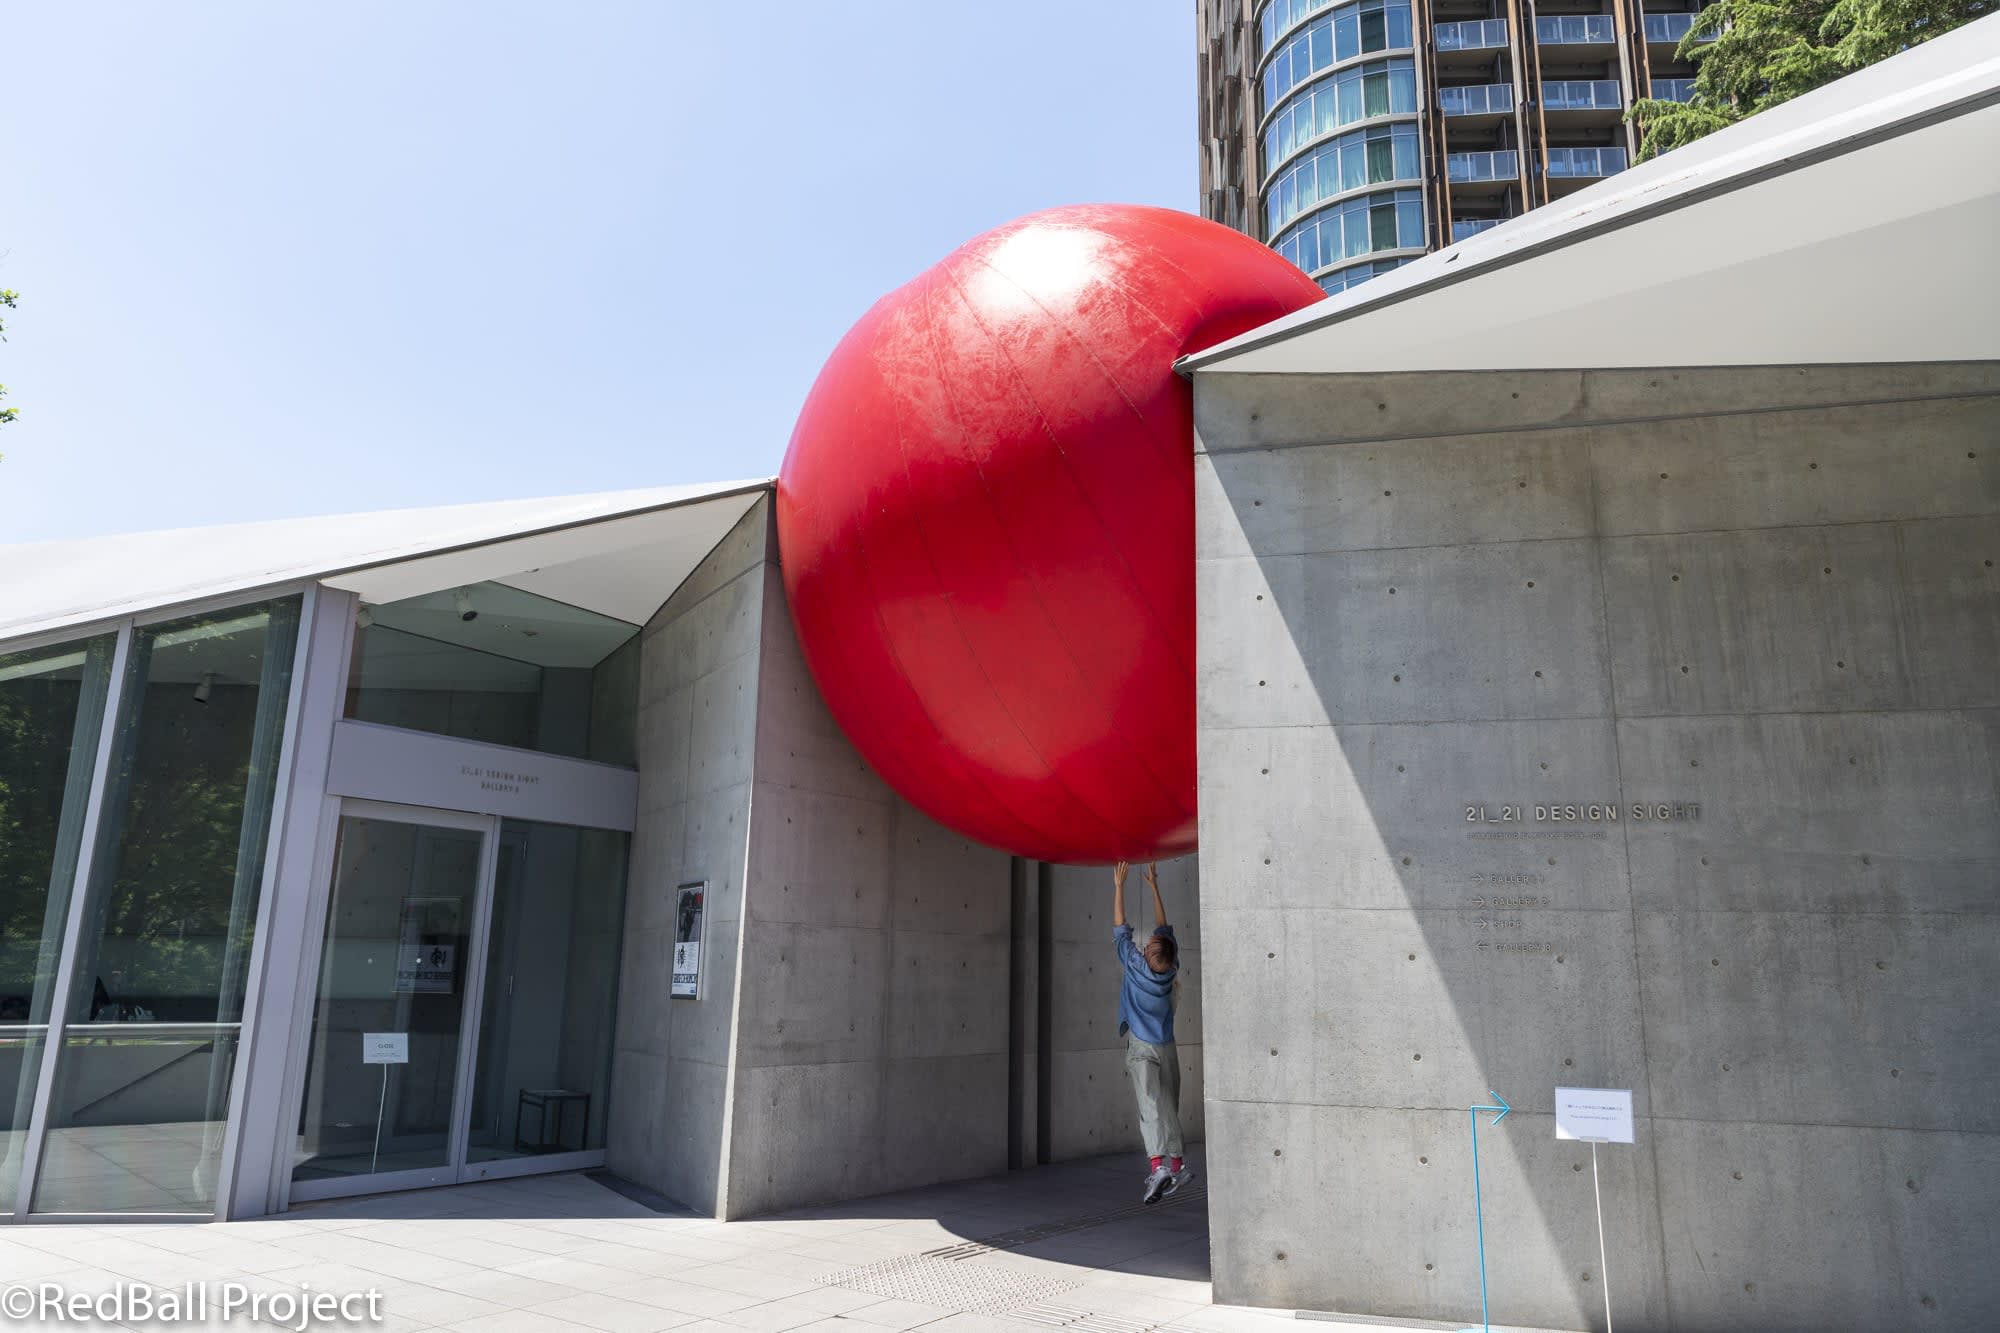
(1479, 1207)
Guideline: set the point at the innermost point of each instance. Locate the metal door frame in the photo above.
(452, 1170)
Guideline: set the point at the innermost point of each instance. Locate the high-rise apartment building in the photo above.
(1353, 137)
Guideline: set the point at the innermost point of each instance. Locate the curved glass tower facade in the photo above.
(1354, 135)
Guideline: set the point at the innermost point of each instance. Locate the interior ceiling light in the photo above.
(203, 686)
(364, 618)
(463, 601)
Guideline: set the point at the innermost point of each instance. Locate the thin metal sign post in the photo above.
(1603, 1266)
(1594, 1116)
(1479, 1207)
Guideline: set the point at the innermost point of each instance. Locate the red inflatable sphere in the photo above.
(986, 524)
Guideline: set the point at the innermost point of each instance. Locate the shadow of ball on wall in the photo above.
(986, 525)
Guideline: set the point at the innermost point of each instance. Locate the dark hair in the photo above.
(1162, 953)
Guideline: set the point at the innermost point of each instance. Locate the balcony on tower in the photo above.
(1474, 42)
(1579, 102)
(1575, 31)
(1478, 107)
(1570, 169)
(1665, 31)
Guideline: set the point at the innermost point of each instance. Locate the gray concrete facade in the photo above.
(1427, 600)
(873, 1005)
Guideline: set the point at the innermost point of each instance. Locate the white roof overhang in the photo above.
(1855, 224)
(620, 554)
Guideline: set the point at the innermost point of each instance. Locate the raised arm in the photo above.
(1153, 883)
(1118, 893)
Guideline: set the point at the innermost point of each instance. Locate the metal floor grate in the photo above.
(1084, 1321)
(959, 1283)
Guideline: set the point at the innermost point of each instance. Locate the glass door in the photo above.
(462, 1025)
(391, 1027)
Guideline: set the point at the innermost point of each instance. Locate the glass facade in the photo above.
(1377, 88)
(493, 663)
(1356, 274)
(1389, 220)
(1345, 34)
(51, 711)
(146, 1057)
(1373, 156)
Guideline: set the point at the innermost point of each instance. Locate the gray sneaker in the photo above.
(1158, 1183)
(1180, 1178)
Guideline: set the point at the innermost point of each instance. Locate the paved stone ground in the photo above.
(1063, 1247)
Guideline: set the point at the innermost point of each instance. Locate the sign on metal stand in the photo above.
(384, 1049)
(1594, 1116)
(1478, 1207)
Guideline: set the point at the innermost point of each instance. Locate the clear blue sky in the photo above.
(282, 259)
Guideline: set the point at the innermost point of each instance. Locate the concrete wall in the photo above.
(1768, 592)
(873, 1046)
(880, 1032)
(699, 663)
(1091, 1105)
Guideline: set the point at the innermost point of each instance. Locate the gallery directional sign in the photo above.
(1600, 1114)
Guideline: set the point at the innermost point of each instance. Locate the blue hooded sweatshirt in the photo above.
(1145, 997)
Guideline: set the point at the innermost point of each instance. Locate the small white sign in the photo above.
(385, 1048)
(1603, 1114)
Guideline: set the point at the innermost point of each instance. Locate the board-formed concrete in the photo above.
(871, 996)
(1761, 606)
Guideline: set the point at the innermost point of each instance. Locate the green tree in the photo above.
(6, 299)
(1751, 54)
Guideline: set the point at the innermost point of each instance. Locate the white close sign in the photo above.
(1600, 1114)
(385, 1048)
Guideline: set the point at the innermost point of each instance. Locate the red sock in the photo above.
(1175, 1165)
(1156, 1163)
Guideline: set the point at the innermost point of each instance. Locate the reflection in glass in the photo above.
(143, 1075)
(492, 663)
(551, 989)
(398, 936)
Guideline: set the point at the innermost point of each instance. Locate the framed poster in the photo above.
(686, 982)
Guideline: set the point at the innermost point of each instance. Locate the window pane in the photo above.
(1403, 87)
(1410, 222)
(1350, 99)
(1374, 31)
(1382, 227)
(1350, 35)
(1381, 160)
(142, 1084)
(1322, 46)
(1353, 166)
(1323, 106)
(1376, 87)
(51, 710)
(1406, 156)
(1355, 218)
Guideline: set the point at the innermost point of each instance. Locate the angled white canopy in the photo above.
(619, 553)
(1855, 224)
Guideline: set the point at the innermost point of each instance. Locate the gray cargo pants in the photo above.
(1156, 1081)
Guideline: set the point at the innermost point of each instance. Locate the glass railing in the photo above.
(1674, 90)
(1585, 162)
(1464, 227)
(1481, 35)
(1495, 166)
(1479, 100)
(1582, 95)
(1665, 29)
(1575, 30)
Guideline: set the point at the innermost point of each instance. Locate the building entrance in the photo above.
(461, 1024)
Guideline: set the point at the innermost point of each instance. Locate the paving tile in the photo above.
(614, 1314)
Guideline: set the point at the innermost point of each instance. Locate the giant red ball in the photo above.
(986, 525)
